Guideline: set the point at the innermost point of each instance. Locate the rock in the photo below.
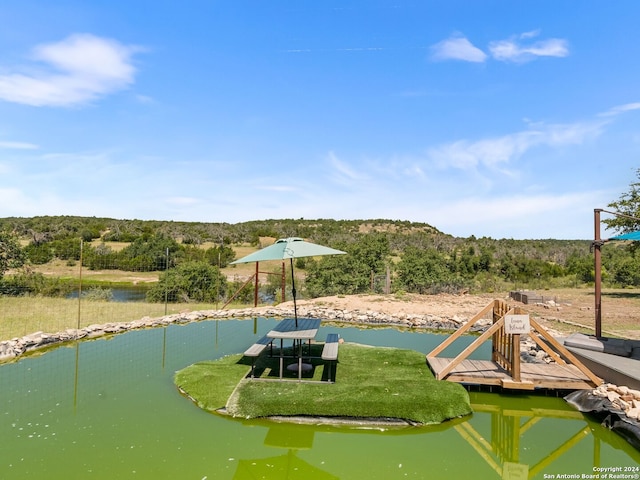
(613, 396)
(18, 346)
(541, 354)
(600, 391)
(622, 390)
(622, 405)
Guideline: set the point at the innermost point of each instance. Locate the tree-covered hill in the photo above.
(416, 257)
(46, 228)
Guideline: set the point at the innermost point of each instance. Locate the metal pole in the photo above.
(293, 292)
(597, 259)
(597, 245)
(166, 286)
(284, 283)
(80, 284)
(255, 290)
(219, 275)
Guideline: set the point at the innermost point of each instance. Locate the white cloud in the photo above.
(621, 109)
(513, 50)
(343, 173)
(514, 216)
(277, 188)
(182, 201)
(531, 34)
(18, 145)
(74, 71)
(491, 152)
(457, 47)
(464, 154)
(145, 99)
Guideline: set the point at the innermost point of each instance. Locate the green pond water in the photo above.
(108, 408)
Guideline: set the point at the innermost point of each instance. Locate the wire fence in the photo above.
(91, 284)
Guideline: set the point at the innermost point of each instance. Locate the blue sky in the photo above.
(486, 118)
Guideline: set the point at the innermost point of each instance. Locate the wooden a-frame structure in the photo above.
(505, 368)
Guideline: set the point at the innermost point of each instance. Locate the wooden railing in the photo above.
(505, 349)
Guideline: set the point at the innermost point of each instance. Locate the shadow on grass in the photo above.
(626, 295)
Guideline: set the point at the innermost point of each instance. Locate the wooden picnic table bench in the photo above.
(330, 353)
(256, 349)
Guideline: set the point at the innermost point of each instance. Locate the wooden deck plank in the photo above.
(506, 368)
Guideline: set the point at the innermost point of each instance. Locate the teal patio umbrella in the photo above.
(635, 236)
(289, 248)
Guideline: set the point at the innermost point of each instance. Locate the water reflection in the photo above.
(287, 465)
(518, 427)
(108, 408)
(136, 293)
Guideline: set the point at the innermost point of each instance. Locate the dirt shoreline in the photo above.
(566, 311)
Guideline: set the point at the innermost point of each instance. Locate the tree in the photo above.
(629, 206)
(372, 251)
(581, 266)
(347, 274)
(337, 274)
(189, 282)
(219, 255)
(149, 253)
(39, 253)
(11, 255)
(425, 271)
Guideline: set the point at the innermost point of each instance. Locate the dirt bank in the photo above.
(566, 310)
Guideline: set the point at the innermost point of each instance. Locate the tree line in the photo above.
(417, 259)
(191, 256)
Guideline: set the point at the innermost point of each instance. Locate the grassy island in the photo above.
(371, 383)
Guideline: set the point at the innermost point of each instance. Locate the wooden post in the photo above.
(597, 245)
(515, 346)
(387, 282)
(515, 357)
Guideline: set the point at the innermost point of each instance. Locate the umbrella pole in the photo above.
(293, 292)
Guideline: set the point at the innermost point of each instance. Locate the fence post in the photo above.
(387, 285)
(166, 284)
(80, 283)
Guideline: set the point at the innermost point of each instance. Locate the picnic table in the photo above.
(304, 329)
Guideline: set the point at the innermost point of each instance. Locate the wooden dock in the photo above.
(532, 375)
(505, 369)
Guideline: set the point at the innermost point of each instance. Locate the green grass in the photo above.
(371, 382)
(21, 316)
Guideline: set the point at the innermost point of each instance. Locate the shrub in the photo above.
(98, 294)
(189, 281)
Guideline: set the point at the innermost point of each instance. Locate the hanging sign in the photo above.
(516, 324)
(515, 471)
